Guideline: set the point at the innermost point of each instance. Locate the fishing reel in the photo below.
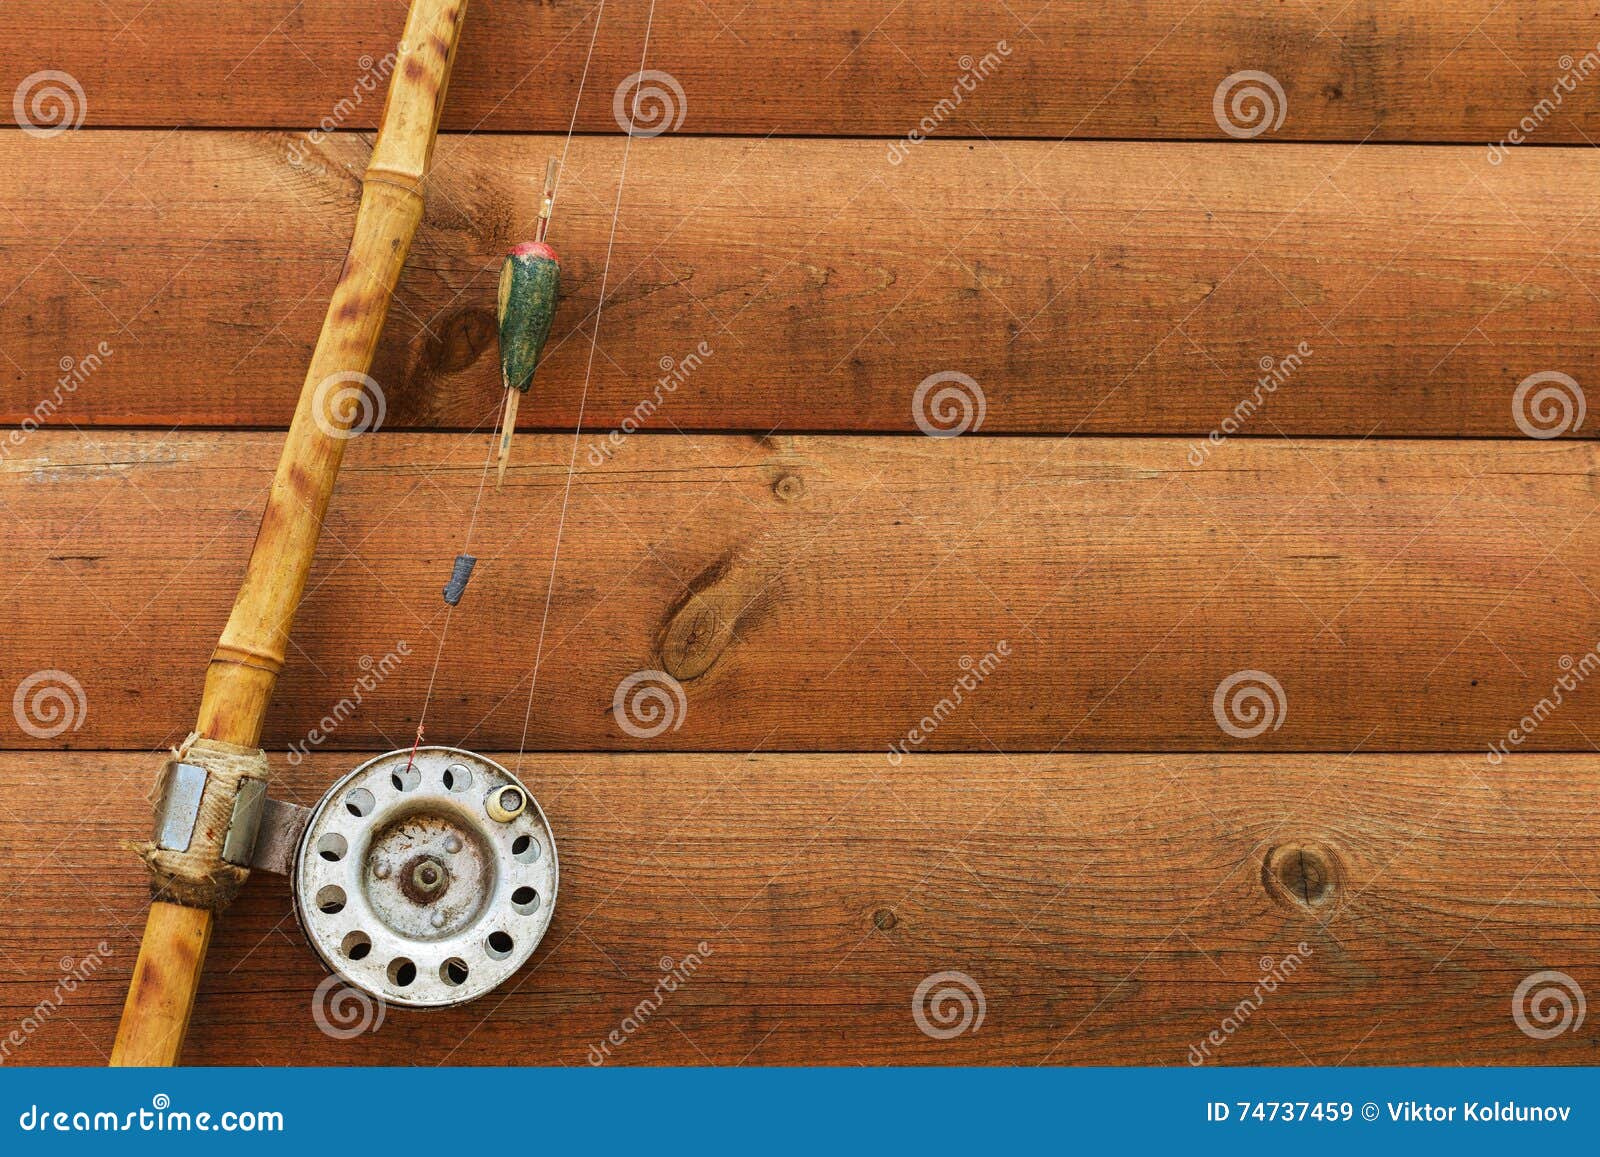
(424, 878)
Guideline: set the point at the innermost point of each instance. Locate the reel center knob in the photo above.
(428, 879)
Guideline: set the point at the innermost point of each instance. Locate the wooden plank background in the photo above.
(1082, 837)
(1110, 909)
(1090, 288)
(1406, 595)
(1352, 70)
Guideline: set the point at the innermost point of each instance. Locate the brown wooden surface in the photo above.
(1112, 288)
(823, 593)
(1460, 70)
(1112, 909)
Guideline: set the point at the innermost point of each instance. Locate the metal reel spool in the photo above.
(426, 886)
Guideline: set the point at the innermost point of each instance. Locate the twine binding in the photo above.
(199, 877)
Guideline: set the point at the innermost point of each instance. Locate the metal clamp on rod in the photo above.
(210, 800)
(263, 833)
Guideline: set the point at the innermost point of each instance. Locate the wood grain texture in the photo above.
(826, 593)
(1110, 288)
(1460, 70)
(1112, 910)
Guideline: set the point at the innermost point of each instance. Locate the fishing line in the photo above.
(583, 399)
(444, 631)
(458, 579)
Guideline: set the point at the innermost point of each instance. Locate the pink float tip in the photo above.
(535, 249)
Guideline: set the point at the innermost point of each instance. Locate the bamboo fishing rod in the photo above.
(190, 885)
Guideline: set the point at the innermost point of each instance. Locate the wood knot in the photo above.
(789, 488)
(723, 600)
(1301, 875)
(459, 341)
(884, 919)
(697, 634)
